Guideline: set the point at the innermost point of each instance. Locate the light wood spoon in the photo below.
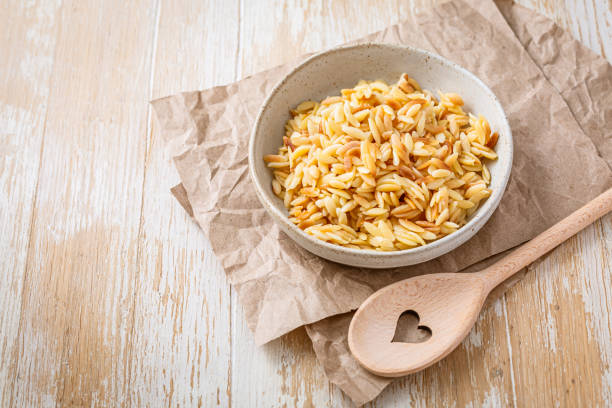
(447, 303)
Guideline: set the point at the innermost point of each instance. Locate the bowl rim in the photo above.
(462, 235)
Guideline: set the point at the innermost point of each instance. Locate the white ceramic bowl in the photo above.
(324, 74)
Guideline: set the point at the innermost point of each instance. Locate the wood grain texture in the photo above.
(281, 373)
(112, 295)
(78, 294)
(27, 50)
(569, 336)
(181, 347)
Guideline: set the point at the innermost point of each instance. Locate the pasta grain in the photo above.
(383, 167)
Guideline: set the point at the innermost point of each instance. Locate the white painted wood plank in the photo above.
(568, 335)
(181, 348)
(284, 372)
(82, 260)
(602, 16)
(27, 61)
(276, 32)
(595, 287)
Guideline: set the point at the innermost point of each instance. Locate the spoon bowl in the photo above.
(446, 303)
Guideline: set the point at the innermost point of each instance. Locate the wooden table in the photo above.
(109, 294)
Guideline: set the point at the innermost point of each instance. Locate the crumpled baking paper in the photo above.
(555, 92)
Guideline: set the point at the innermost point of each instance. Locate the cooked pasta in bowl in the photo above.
(374, 173)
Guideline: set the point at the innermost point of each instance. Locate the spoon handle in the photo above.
(547, 240)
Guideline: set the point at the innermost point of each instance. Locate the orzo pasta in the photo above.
(383, 167)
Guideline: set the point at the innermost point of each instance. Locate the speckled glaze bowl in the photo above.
(325, 74)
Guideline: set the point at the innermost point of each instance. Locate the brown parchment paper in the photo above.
(556, 94)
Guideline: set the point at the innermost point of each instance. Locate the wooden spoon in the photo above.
(447, 303)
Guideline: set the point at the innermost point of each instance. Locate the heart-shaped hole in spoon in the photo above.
(408, 329)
